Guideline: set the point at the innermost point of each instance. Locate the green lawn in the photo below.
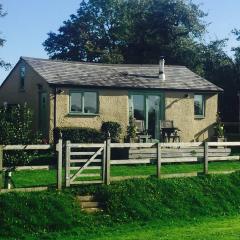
(222, 228)
(43, 177)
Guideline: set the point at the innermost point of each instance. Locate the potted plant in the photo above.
(131, 131)
(219, 129)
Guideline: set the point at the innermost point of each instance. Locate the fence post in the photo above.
(108, 163)
(1, 167)
(67, 172)
(206, 158)
(59, 172)
(159, 160)
(104, 162)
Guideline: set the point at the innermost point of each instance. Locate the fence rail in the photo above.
(59, 148)
(91, 163)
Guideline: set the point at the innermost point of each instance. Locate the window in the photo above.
(22, 76)
(199, 105)
(84, 102)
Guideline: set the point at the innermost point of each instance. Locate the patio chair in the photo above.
(168, 131)
(142, 134)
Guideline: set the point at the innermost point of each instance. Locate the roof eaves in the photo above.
(217, 90)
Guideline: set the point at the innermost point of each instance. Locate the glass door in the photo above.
(153, 115)
(138, 106)
(147, 107)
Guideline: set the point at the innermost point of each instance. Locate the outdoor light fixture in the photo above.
(59, 91)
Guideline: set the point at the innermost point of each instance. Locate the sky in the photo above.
(27, 23)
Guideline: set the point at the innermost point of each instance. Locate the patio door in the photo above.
(153, 115)
(148, 107)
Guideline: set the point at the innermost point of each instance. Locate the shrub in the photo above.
(78, 135)
(16, 127)
(113, 129)
(131, 130)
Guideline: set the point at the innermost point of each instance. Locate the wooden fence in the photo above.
(100, 157)
(59, 149)
(91, 163)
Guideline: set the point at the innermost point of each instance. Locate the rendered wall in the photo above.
(180, 109)
(113, 106)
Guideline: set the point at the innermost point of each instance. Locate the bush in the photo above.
(112, 128)
(78, 135)
(16, 127)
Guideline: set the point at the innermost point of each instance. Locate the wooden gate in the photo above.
(84, 163)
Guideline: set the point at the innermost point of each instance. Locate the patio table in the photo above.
(170, 132)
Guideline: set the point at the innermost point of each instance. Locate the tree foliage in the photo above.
(2, 41)
(130, 31)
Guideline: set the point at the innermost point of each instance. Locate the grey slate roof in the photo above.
(57, 72)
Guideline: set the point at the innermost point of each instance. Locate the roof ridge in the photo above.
(100, 64)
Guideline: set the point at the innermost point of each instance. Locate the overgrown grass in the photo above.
(139, 201)
(43, 177)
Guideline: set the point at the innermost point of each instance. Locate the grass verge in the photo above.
(48, 215)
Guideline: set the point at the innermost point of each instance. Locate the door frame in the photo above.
(44, 130)
(146, 94)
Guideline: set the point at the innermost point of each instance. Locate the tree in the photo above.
(2, 41)
(130, 31)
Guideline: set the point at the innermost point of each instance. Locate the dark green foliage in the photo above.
(113, 129)
(16, 127)
(79, 135)
(131, 130)
(129, 31)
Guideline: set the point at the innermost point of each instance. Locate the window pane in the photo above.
(90, 102)
(76, 102)
(198, 105)
(22, 76)
(138, 107)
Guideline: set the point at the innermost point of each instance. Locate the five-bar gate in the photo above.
(85, 163)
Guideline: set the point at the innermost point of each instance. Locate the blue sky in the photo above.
(28, 21)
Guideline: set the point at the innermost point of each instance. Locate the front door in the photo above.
(148, 107)
(43, 126)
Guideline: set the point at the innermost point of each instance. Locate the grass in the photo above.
(222, 228)
(206, 229)
(206, 207)
(30, 178)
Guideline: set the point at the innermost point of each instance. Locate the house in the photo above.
(77, 94)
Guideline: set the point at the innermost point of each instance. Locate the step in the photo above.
(88, 198)
(93, 210)
(91, 204)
